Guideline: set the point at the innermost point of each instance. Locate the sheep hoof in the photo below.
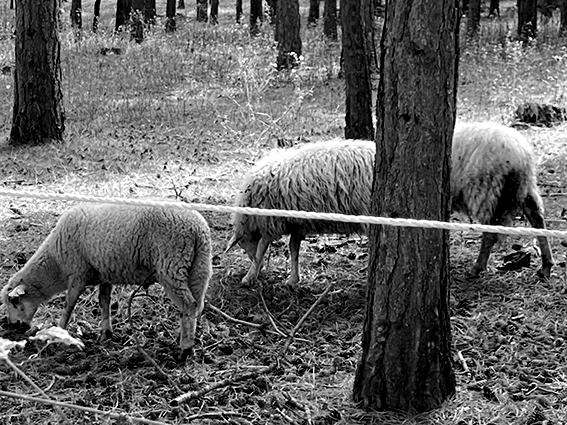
(105, 335)
(293, 280)
(544, 273)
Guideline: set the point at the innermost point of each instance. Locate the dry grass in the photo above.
(188, 114)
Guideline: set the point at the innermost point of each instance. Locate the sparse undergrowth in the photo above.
(187, 115)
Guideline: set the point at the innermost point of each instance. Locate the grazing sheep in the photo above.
(117, 244)
(493, 177)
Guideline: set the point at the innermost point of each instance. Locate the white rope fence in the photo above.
(397, 222)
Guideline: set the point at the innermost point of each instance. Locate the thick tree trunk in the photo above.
(527, 19)
(38, 115)
(123, 9)
(330, 20)
(214, 17)
(150, 12)
(238, 11)
(356, 25)
(255, 17)
(494, 8)
(137, 20)
(313, 16)
(406, 342)
(76, 14)
(202, 12)
(271, 12)
(170, 16)
(96, 15)
(473, 19)
(288, 28)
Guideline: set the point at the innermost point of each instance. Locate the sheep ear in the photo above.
(18, 291)
(233, 241)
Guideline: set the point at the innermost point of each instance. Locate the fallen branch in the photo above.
(216, 415)
(58, 404)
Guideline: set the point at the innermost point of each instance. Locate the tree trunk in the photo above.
(170, 16)
(76, 15)
(494, 8)
(288, 28)
(406, 341)
(150, 12)
(313, 16)
(272, 6)
(123, 9)
(330, 20)
(181, 4)
(214, 17)
(137, 20)
(255, 17)
(563, 18)
(379, 8)
(202, 6)
(527, 19)
(238, 11)
(38, 115)
(356, 25)
(473, 19)
(96, 15)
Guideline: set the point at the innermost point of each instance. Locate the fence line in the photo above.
(397, 222)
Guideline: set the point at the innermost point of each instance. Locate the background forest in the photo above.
(183, 116)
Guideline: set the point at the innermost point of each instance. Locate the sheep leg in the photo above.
(488, 241)
(76, 288)
(532, 210)
(256, 266)
(294, 244)
(104, 291)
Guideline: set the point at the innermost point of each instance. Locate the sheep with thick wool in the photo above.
(117, 244)
(493, 177)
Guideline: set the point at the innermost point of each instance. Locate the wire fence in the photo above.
(308, 215)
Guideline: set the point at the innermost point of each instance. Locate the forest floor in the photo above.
(183, 117)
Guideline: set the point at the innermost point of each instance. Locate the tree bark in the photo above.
(150, 12)
(214, 16)
(406, 341)
(563, 19)
(238, 11)
(38, 115)
(473, 19)
(313, 16)
(356, 25)
(289, 40)
(170, 16)
(96, 15)
(76, 14)
(181, 4)
(330, 20)
(123, 9)
(202, 6)
(137, 20)
(494, 8)
(255, 17)
(527, 19)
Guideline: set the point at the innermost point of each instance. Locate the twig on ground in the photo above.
(270, 317)
(224, 383)
(38, 389)
(216, 415)
(58, 404)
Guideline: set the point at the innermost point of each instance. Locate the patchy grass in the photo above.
(186, 115)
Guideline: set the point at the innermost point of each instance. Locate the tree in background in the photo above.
(238, 11)
(150, 12)
(38, 115)
(76, 15)
(96, 15)
(494, 8)
(473, 21)
(563, 19)
(357, 42)
(288, 26)
(272, 6)
(255, 17)
(136, 20)
(313, 16)
(202, 6)
(330, 20)
(527, 19)
(214, 17)
(406, 341)
(170, 16)
(123, 9)
(181, 4)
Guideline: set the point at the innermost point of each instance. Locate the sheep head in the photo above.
(21, 307)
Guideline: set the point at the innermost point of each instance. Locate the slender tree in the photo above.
(255, 17)
(123, 10)
(473, 21)
(406, 341)
(150, 12)
(181, 4)
(494, 8)
(214, 16)
(271, 11)
(356, 25)
(289, 40)
(527, 19)
(96, 15)
(76, 15)
(170, 16)
(563, 19)
(330, 20)
(38, 115)
(202, 15)
(238, 11)
(137, 20)
(313, 16)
